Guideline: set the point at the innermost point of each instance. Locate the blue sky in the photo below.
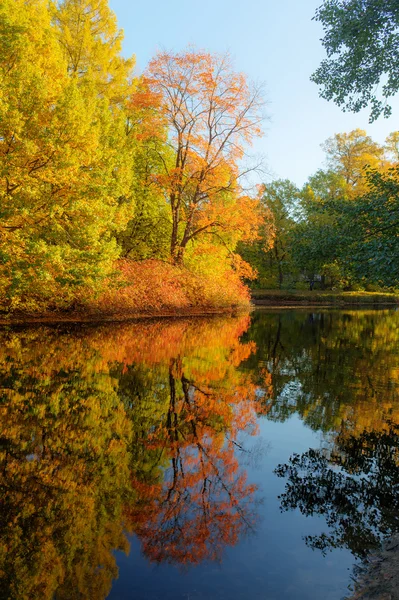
(272, 42)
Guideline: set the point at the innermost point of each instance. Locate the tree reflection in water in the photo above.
(203, 502)
(355, 487)
(138, 429)
(129, 428)
(340, 373)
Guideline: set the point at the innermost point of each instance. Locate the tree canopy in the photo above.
(361, 38)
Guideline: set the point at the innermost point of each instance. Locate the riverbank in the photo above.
(298, 298)
(153, 290)
(22, 318)
(379, 580)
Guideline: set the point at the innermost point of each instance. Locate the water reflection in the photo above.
(340, 373)
(126, 429)
(355, 487)
(140, 429)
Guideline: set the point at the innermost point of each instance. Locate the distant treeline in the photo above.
(341, 230)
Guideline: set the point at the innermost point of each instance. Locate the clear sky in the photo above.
(272, 42)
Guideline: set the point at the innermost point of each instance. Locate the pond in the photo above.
(198, 459)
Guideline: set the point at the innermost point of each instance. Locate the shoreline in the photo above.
(298, 299)
(98, 318)
(14, 319)
(261, 299)
(378, 578)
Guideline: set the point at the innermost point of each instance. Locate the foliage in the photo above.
(330, 368)
(126, 194)
(152, 286)
(95, 164)
(345, 229)
(211, 113)
(350, 155)
(271, 254)
(361, 40)
(62, 161)
(369, 230)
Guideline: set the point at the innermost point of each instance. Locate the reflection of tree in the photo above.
(338, 371)
(356, 489)
(63, 470)
(83, 417)
(204, 503)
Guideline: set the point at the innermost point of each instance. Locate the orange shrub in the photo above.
(153, 286)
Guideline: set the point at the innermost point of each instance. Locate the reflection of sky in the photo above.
(274, 42)
(272, 564)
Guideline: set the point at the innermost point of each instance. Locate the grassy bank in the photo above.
(322, 298)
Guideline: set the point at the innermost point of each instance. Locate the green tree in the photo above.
(271, 254)
(369, 230)
(315, 238)
(361, 39)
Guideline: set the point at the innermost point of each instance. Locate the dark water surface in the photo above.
(238, 458)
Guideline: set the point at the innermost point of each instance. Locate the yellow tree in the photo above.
(392, 146)
(211, 114)
(92, 43)
(63, 164)
(350, 155)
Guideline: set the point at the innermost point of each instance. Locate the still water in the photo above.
(232, 458)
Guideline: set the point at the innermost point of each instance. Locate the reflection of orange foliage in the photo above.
(156, 342)
(205, 502)
(66, 406)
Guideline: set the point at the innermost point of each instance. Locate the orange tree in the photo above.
(211, 114)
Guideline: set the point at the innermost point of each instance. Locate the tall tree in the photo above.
(369, 230)
(211, 114)
(392, 146)
(63, 163)
(270, 254)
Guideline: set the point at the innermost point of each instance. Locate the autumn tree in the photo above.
(64, 163)
(350, 155)
(391, 146)
(211, 114)
(147, 232)
(92, 44)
